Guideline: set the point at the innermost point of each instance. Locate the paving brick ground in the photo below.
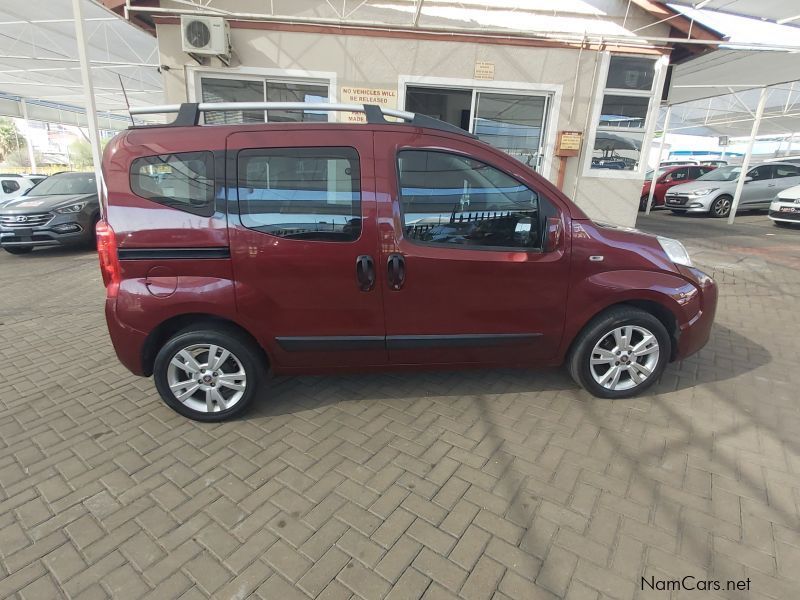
(474, 485)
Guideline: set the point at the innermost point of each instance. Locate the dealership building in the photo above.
(574, 93)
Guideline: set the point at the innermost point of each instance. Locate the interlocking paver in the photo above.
(470, 484)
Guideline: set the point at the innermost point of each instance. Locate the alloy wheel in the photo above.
(206, 378)
(722, 207)
(624, 358)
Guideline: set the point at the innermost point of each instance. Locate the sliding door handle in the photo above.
(396, 271)
(365, 272)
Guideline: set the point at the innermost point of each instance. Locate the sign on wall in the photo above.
(359, 95)
(569, 143)
(484, 69)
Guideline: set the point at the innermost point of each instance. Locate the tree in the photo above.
(80, 153)
(10, 139)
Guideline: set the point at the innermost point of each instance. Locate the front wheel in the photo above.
(620, 353)
(721, 207)
(18, 249)
(643, 203)
(208, 374)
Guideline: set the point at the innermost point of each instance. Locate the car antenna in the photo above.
(125, 94)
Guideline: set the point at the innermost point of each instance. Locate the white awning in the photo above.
(38, 61)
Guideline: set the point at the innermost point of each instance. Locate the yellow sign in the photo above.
(359, 95)
(570, 140)
(484, 70)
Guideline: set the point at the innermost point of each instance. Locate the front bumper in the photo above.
(51, 230)
(778, 212)
(688, 204)
(694, 334)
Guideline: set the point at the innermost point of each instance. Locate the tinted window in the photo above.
(762, 172)
(449, 199)
(786, 171)
(678, 174)
(184, 181)
(10, 186)
(303, 193)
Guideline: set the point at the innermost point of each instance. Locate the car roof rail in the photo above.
(188, 113)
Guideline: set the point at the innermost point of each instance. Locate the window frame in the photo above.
(360, 180)
(401, 211)
(206, 211)
(196, 73)
(661, 63)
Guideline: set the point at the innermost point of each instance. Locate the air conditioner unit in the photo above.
(207, 36)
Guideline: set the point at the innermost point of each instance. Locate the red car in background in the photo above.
(669, 176)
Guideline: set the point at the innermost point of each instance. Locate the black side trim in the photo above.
(173, 253)
(331, 342)
(401, 342)
(409, 342)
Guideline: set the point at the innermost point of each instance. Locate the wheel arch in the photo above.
(160, 334)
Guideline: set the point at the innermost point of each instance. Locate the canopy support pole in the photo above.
(762, 101)
(28, 143)
(658, 161)
(88, 92)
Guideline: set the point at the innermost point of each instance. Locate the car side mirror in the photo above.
(748, 179)
(554, 234)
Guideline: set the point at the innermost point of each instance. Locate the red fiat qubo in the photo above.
(231, 250)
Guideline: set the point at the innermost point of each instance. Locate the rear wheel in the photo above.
(620, 353)
(18, 249)
(643, 203)
(721, 207)
(208, 374)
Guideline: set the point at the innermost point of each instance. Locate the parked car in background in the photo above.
(669, 177)
(13, 185)
(341, 246)
(785, 208)
(713, 192)
(714, 163)
(36, 178)
(61, 210)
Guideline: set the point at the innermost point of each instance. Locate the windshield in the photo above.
(65, 184)
(721, 174)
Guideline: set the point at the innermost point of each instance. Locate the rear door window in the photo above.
(786, 171)
(301, 193)
(184, 181)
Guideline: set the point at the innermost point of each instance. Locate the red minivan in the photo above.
(229, 251)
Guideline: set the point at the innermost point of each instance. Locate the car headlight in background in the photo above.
(72, 208)
(675, 251)
(703, 192)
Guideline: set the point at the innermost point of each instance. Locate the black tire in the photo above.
(18, 249)
(721, 207)
(602, 326)
(643, 203)
(678, 212)
(249, 357)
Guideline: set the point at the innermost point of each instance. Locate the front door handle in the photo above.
(396, 269)
(365, 272)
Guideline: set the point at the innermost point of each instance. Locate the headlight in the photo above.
(703, 192)
(72, 208)
(675, 251)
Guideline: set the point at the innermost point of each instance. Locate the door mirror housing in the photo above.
(554, 234)
(748, 179)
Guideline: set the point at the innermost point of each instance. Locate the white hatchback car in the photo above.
(12, 185)
(785, 208)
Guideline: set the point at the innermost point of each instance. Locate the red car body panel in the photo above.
(276, 288)
(663, 183)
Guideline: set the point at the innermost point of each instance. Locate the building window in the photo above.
(626, 101)
(311, 194)
(260, 89)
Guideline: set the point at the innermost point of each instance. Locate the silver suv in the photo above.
(713, 192)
